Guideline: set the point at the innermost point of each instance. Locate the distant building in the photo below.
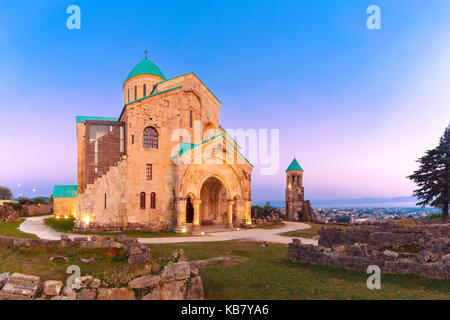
(65, 201)
(297, 209)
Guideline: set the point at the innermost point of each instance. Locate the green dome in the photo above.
(146, 67)
(294, 166)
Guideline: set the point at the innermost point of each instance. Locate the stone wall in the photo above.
(387, 235)
(358, 257)
(384, 245)
(117, 242)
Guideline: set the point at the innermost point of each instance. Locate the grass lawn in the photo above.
(262, 273)
(266, 274)
(11, 229)
(311, 232)
(36, 261)
(66, 226)
(271, 226)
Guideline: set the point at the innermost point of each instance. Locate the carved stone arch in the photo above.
(190, 99)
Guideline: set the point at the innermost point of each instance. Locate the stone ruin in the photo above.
(178, 280)
(270, 219)
(9, 214)
(420, 250)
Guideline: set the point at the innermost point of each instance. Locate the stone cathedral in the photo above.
(164, 164)
(297, 209)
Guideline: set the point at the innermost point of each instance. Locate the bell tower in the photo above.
(295, 193)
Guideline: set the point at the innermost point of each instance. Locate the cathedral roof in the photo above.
(294, 166)
(145, 66)
(65, 191)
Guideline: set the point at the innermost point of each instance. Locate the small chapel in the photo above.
(164, 164)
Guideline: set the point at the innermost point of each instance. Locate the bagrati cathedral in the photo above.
(164, 164)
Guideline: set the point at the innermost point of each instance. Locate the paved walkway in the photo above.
(35, 225)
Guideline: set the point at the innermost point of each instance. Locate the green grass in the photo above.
(61, 224)
(311, 232)
(36, 261)
(11, 229)
(262, 273)
(271, 226)
(266, 274)
(66, 225)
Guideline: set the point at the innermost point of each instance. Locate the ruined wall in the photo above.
(385, 235)
(420, 250)
(358, 258)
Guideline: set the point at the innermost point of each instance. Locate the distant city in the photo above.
(371, 214)
(365, 209)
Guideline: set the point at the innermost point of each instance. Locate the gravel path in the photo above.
(35, 225)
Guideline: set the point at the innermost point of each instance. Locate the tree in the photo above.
(433, 176)
(5, 193)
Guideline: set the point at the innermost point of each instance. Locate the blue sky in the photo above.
(356, 107)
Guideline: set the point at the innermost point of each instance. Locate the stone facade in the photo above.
(198, 176)
(65, 207)
(359, 247)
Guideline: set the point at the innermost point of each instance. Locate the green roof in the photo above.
(146, 67)
(294, 166)
(83, 119)
(65, 191)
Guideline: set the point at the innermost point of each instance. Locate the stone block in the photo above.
(176, 271)
(4, 278)
(87, 294)
(20, 287)
(52, 287)
(174, 290)
(145, 282)
(115, 294)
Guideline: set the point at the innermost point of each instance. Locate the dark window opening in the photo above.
(152, 200)
(145, 89)
(135, 92)
(190, 118)
(142, 202)
(149, 172)
(189, 211)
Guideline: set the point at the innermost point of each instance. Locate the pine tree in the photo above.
(433, 176)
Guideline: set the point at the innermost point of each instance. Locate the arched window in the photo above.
(142, 197)
(145, 90)
(150, 138)
(135, 92)
(190, 118)
(152, 200)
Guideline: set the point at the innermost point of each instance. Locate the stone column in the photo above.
(180, 209)
(230, 213)
(248, 211)
(196, 224)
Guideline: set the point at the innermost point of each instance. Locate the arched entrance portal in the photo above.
(213, 208)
